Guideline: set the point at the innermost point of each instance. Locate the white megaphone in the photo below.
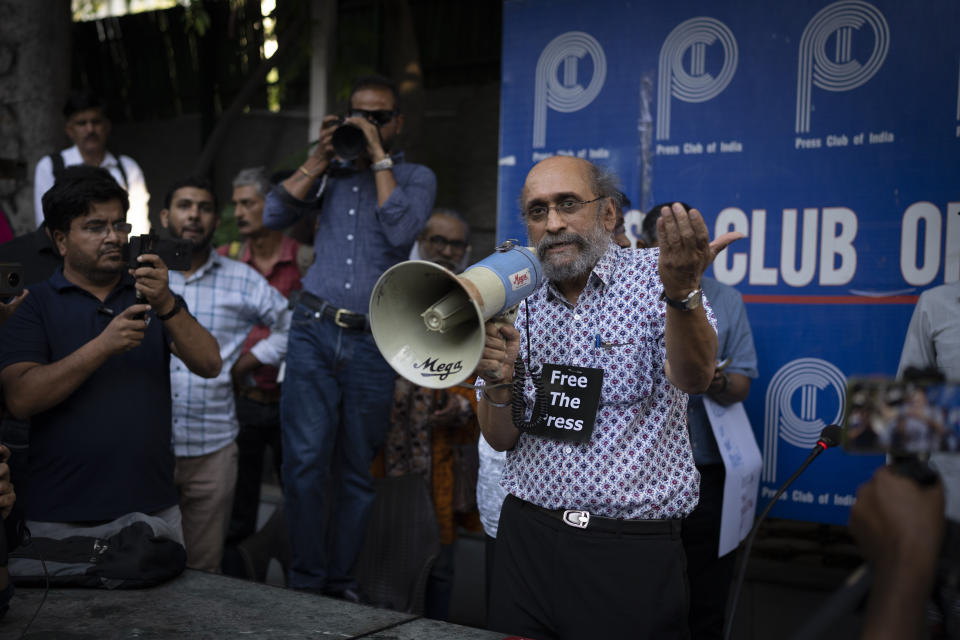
(428, 322)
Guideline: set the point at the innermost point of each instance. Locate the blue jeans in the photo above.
(335, 410)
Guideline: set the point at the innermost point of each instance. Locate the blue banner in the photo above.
(828, 133)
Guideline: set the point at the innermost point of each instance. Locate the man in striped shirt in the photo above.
(229, 298)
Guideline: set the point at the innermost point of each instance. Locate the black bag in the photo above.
(132, 552)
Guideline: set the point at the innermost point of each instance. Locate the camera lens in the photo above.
(348, 141)
(13, 279)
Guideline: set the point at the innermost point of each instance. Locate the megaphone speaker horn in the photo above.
(429, 322)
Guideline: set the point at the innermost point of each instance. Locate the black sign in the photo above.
(573, 395)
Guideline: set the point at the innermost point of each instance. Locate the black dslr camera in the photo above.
(349, 145)
(348, 141)
(174, 252)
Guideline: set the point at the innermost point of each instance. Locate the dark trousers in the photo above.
(259, 429)
(489, 559)
(551, 580)
(708, 575)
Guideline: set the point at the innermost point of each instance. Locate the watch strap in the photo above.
(692, 301)
(178, 304)
(381, 165)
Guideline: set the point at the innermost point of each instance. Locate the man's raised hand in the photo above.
(685, 249)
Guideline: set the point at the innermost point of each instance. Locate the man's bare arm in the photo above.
(729, 388)
(384, 179)
(691, 349)
(496, 366)
(299, 183)
(31, 387)
(899, 526)
(685, 253)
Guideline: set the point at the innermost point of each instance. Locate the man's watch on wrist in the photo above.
(178, 304)
(381, 165)
(691, 302)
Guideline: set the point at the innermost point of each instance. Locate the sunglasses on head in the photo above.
(379, 117)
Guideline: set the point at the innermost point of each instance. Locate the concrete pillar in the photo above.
(323, 20)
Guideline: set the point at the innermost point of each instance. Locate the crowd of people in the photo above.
(133, 388)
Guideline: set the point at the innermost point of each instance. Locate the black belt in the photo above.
(261, 396)
(583, 519)
(343, 318)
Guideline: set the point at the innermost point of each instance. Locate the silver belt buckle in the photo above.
(576, 518)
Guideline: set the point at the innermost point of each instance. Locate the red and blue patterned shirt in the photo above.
(637, 463)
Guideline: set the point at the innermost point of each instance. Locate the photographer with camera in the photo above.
(89, 365)
(338, 388)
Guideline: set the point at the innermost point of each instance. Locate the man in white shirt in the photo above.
(88, 126)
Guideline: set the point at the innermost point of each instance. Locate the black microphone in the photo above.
(829, 437)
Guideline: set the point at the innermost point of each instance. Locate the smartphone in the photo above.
(11, 280)
(901, 417)
(174, 252)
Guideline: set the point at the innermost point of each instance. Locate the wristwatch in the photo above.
(178, 304)
(380, 165)
(691, 302)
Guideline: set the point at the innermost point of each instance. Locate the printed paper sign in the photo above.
(741, 458)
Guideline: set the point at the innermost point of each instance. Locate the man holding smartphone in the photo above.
(89, 365)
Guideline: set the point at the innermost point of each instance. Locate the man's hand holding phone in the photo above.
(153, 283)
(126, 330)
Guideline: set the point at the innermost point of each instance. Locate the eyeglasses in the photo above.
(441, 243)
(380, 117)
(102, 228)
(566, 207)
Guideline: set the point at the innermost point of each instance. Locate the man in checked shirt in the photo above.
(228, 298)
(588, 543)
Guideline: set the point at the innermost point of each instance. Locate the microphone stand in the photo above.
(829, 437)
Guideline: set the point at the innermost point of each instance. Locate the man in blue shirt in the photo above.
(710, 576)
(89, 365)
(338, 389)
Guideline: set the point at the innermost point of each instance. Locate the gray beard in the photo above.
(591, 248)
